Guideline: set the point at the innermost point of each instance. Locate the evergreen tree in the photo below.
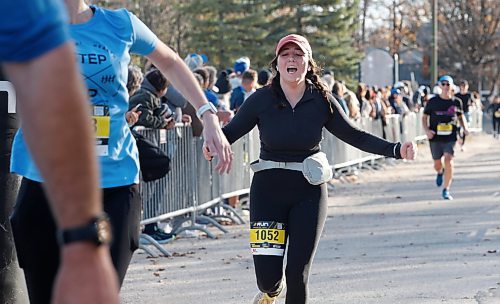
(163, 17)
(328, 25)
(252, 31)
(226, 30)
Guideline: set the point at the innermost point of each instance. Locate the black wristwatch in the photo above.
(97, 231)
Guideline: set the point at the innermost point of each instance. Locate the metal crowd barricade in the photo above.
(343, 156)
(236, 182)
(476, 121)
(393, 127)
(174, 192)
(192, 191)
(412, 129)
(420, 133)
(192, 186)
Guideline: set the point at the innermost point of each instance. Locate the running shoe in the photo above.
(447, 195)
(163, 237)
(159, 236)
(439, 178)
(264, 298)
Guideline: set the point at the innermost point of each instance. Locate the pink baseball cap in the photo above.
(298, 40)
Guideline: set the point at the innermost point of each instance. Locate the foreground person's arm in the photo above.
(57, 128)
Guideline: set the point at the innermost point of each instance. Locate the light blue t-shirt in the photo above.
(102, 51)
(30, 28)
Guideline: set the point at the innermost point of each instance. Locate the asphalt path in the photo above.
(389, 238)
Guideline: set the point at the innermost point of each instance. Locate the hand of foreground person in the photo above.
(206, 153)
(216, 143)
(86, 275)
(409, 150)
(225, 116)
(132, 116)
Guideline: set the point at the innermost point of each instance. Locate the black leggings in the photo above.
(285, 196)
(34, 232)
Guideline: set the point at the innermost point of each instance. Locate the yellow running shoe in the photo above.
(264, 298)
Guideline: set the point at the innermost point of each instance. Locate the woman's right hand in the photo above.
(217, 143)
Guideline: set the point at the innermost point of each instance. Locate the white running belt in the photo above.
(269, 164)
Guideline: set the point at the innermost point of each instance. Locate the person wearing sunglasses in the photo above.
(442, 114)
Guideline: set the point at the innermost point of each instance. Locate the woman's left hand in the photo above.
(408, 150)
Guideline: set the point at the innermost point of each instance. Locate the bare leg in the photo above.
(448, 174)
(438, 165)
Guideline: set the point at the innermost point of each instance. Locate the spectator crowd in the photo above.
(160, 106)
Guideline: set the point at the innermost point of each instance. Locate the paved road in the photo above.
(389, 238)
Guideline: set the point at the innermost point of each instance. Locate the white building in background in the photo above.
(377, 68)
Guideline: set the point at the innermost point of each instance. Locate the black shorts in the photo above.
(438, 148)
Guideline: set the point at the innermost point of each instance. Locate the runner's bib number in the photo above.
(267, 238)
(497, 114)
(102, 126)
(444, 129)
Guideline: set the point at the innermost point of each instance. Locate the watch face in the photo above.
(103, 231)
(97, 231)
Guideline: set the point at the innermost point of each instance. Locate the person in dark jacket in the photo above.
(154, 114)
(494, 110)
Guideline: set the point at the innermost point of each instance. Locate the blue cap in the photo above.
(240, 67)
(446, 78)
(193, 61)
(204, 57)
(395, 91)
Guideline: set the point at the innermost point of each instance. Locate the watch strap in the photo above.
(206, 107)
(96, 231)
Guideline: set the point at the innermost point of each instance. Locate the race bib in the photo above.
(497, 114)
(267, 238)
(444, 129)
(102, 126)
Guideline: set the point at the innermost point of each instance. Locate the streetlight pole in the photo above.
(434, 59)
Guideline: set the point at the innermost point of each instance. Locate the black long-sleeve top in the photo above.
(291, 134)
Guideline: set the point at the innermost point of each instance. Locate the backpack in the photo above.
(154, 162)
